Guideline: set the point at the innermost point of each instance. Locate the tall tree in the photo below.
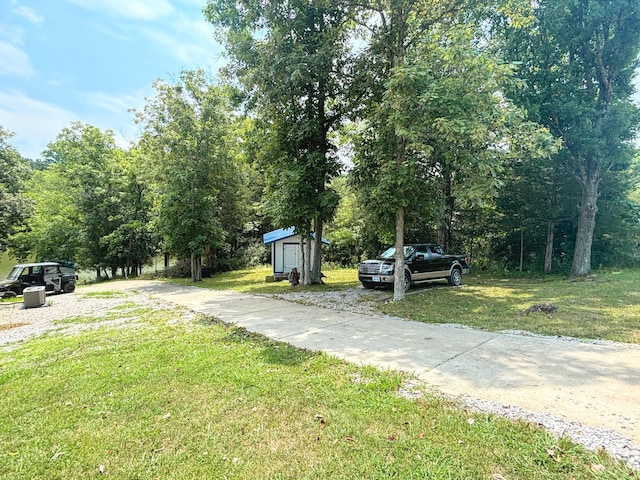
(448, 104)
(578, 60)
(186, 139)
(54, 230)
(386, 162)
(436, 125)
(131, 243)
(85, 157)
(292, 60)
(14, 207)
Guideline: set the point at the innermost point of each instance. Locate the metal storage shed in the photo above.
(285, 250)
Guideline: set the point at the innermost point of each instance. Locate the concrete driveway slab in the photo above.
(597, 385)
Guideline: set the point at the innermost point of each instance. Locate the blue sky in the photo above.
(91, 61)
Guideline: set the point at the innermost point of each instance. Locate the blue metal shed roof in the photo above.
(283, 233)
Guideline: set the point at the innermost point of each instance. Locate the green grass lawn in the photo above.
(189, 399)
(253, 281)
(602, 306)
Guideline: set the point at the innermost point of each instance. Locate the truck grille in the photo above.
(370, 268)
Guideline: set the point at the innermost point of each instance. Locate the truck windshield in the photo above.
(390, 253)
(15, 273)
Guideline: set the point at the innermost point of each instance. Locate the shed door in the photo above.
(290, 256)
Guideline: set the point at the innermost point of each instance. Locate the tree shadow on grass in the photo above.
(271, 351)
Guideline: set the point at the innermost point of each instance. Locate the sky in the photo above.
(92, 61)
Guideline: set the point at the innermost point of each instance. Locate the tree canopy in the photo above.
(578, 59)
(186, 139)
(14, 206)
(292, 60)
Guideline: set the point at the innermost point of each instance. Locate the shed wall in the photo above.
(277, 254)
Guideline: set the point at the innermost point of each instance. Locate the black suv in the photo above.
(53, 276)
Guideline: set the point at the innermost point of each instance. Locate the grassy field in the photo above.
(169, 397)
(601, 306)
(6, 264)
(253, 281)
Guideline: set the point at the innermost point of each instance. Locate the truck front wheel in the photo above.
(407, 282)
(68, 287)
(455, 278)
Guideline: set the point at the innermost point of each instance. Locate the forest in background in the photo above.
(503, 130)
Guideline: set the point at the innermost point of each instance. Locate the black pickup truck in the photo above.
(421, 262)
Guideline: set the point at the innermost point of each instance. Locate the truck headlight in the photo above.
(387, 269)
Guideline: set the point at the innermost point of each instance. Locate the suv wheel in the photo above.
(68, 287)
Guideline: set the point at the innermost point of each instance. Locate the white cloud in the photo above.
(188, 53)
(113, 113)
(35, 123)
(132, 9)
(190, 41)
(28, 13)
(113, 103)
(14, 61)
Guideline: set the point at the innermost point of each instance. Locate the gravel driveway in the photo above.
(18, 324)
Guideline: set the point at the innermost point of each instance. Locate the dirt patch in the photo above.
(9, 326)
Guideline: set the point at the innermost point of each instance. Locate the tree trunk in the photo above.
(196, 267)
(303, 262)
(398, 284)
(445, 237)
(208, 256)
(521, 247)
(316, 266)
(586, 224)
(307, 263)
(548, 252)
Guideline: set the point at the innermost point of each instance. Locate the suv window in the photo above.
(15, 273)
